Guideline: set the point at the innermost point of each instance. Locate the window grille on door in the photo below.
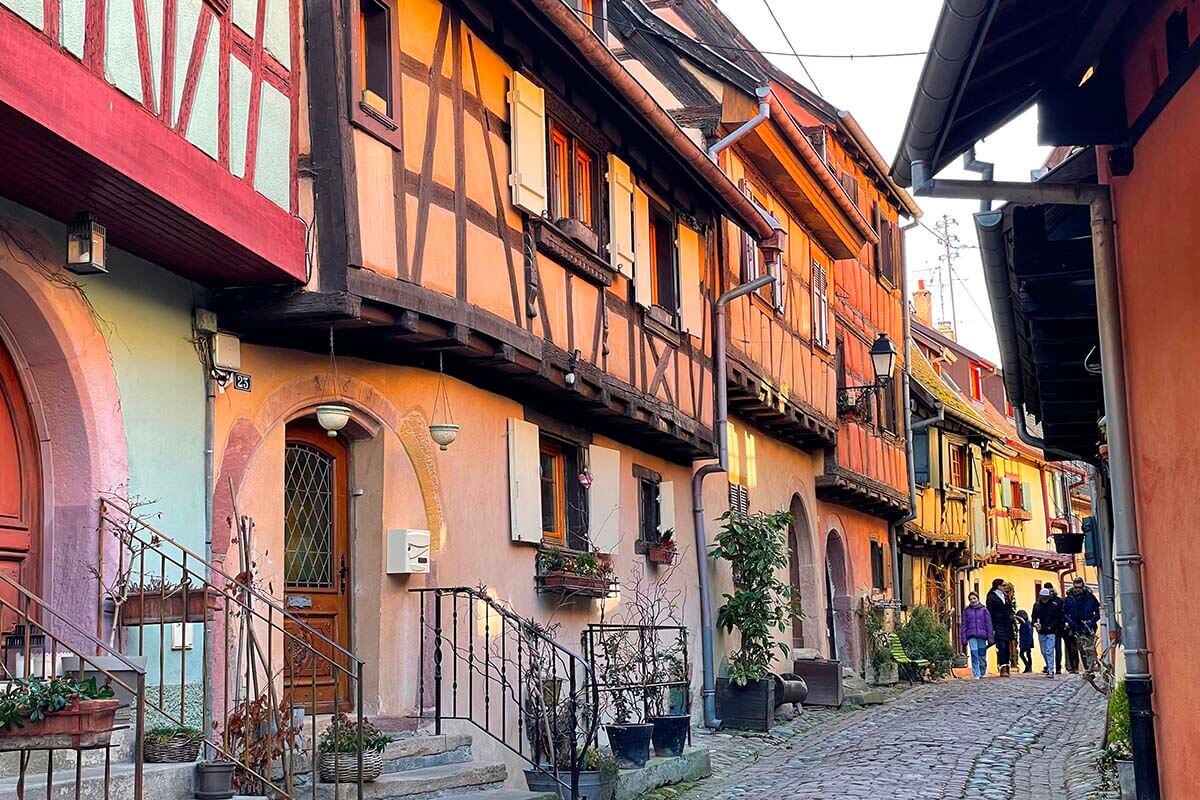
(308, 528)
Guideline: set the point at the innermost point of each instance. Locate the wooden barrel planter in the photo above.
(151, 608)
(83, 723)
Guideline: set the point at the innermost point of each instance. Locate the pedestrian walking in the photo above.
(1047, 620)
(1025, 639)
(1061, 634)
(1010, 591)
(977, 633)
(1082, 612)
(1001, 613)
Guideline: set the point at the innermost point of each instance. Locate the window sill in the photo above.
(662, 323)
(566, 251)
(377, 125)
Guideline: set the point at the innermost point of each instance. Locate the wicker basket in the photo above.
(343, 767)
(179, 749)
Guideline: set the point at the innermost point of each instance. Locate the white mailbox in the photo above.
(407, 551)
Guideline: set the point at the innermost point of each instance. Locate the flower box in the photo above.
(83, 723)
(657, 554)
(151, 607)
(569, 583)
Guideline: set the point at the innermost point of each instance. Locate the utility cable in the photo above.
(792, 47)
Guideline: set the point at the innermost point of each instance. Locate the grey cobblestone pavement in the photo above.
(996, 739)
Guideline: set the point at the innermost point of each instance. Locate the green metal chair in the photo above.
(910, 666)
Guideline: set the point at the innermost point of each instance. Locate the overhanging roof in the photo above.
(988, 61)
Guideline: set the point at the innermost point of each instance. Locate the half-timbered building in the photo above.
(794, 347)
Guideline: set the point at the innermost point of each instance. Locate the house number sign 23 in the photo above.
(241, 381)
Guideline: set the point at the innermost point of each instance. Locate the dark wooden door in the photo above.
(317, 567)
(20, 490)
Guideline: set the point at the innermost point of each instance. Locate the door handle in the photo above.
(343, 570)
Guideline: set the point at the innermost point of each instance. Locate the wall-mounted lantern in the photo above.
(87, 245)
(883, 363)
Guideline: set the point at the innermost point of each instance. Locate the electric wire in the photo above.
(787, 40)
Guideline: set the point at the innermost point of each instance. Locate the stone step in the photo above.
(160, 781)
(419, 751)
(503, 794)
(425, 782)
(64, 759)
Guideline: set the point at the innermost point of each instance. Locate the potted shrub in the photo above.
(755, 545)
(598, 774)
(669, 706)
(214, 780)
(565, 573)
(56, 713)
(158, 601)
(171, 744)
(101, 668)
(339, 748)
(924, 637)
(623, 671)
(664, 550)
(1119, 750)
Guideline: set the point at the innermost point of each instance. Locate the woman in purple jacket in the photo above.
(977, 633)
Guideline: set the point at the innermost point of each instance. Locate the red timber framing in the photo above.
(80, 142)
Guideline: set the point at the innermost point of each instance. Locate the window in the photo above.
(990, 478)
(878, 566)
(665, 287)
(958, 465)
(375, 26)
(886, 256)
(739, 498)
(850, 184)
(648, 511)
(977, 381)
(1016, 494)
(752, 265)
(573, 176)
(820, 292)
(563, 500)
(887, 411)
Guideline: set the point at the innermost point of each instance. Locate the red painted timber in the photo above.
(94, 124)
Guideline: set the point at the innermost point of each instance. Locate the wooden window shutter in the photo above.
(604, 499)
(643, 268)
(1006, 492)
(935, 457)
(820, 306)
(691, 301)
(620, 216)
(1026, 497)
(975, 467)
(666, 508)
(524, 481)
(920, 446)
(527, 120)
(739, 498)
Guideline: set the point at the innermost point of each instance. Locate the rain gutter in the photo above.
(721, 422)
(1128, 559)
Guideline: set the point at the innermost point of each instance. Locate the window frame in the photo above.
(668, 219)
(878, 566)
(648, 481)
(961, 479)
(574, 145)
(558, 483)
(385, 127)
(975, 370)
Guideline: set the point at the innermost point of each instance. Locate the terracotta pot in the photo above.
(151, 607)
(660, 555)
(83, 723)
(569, 583)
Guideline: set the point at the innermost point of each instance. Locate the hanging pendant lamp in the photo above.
(333, 416)
(445, 432)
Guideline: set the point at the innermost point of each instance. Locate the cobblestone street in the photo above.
(997, 739)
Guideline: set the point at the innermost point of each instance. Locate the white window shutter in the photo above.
(643, 270)
(527, 120)
(666, 509)
(604, 499)
(691, 301)
(1006, 492)
(524, 481)
(620, 216)
(1026, 496)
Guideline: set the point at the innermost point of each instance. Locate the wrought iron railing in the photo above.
(642, 671)
(33, 652)
(482, 663)
(261, 671)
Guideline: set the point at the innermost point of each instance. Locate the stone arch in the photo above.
(839, 610)
(54, 337)
(803, 575)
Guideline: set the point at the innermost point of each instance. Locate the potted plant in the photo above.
(118, 671)
(214, 780)
(923, 636)
(56, 713)
(171, 744)
(574, 574)
(663, 551)
(598, 774)
(622, 673)
(167, 602)
(755, 545)
(670, 719)
(1119, 750)
(1068, 543)
(339, 748)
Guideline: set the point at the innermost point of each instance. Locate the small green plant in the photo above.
(1120, 741)
(342, 737)
(604, 763)
(923, 636)
(881, 654)
(165, 733)
(755, 545)
(32, 699)
(587, 564)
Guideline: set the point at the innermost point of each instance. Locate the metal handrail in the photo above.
(550, 714)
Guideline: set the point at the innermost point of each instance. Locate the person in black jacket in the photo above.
(1002, 623)
(1047, 621)
(1082, 611)
(1025, 637)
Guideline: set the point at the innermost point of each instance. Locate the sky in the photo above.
(879, 92)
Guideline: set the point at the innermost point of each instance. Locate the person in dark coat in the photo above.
(1002, 623)
(1060, 634)
(1082, 612)
(1047, 621)
(1025, 639)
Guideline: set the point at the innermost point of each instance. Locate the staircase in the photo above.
(416, 767)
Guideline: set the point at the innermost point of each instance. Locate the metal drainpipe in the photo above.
(721, 422)
(1128, 560)
(898, 525)
(764, 113)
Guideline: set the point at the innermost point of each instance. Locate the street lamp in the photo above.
(852, 399)
(883, 359)
(87, 245)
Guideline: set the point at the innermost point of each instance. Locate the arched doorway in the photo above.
(837, 593)
(317, 555)
(20, 487)
(802, 574)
